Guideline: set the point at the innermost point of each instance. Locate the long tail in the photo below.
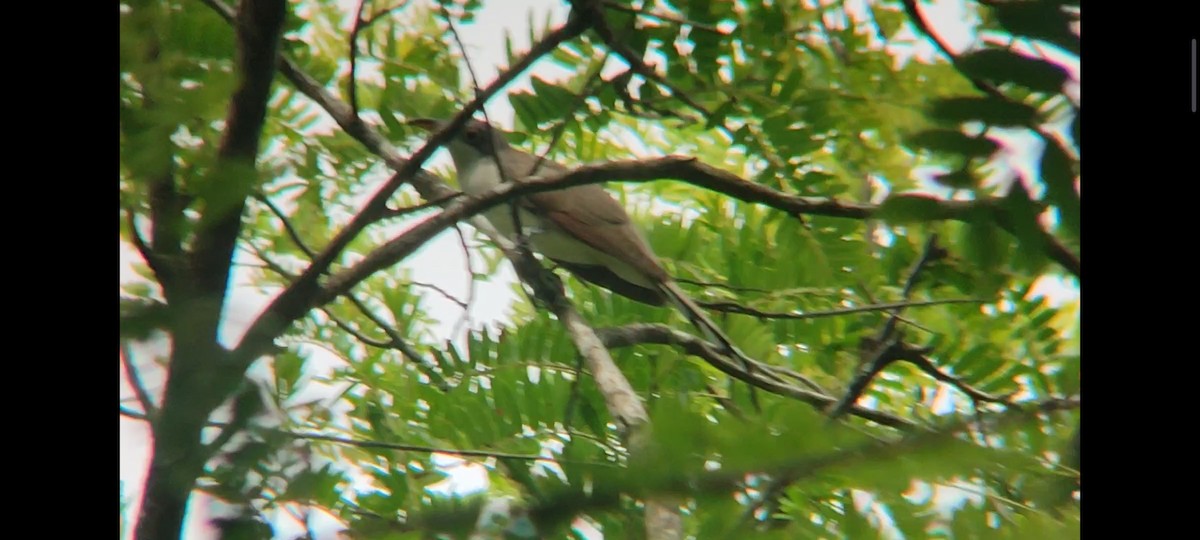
(711, 331)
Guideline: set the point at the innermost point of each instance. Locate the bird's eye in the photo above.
(473, 135)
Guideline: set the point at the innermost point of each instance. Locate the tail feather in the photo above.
(711, 331)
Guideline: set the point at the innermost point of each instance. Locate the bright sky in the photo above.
(440, 262)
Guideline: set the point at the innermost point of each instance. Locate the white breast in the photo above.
(546, 239)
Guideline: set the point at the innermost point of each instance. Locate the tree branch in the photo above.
(662, 517)
(162, 268)
(440, 201)
(886, 345)
(730, 307)
(352, 91)
(382, 445)
(135, 381)
(660, 334)
(197, 379)
(291, 231)
(671, 167)
(298, 298)
(556, 505)
(258, 26)
(1057, 251)
(395, 340)
(465, 317)
(600, 24)
(608, 4)
(926, 365)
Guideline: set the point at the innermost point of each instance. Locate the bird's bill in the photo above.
(427, 124)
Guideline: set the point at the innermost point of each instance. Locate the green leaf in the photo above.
(288, 368)
(1022, 216)
(1004, 65)
(983, 244)
(957, 142)
(1037, 19)
(909, 208)
(1060, 185)
(960, 179)
(394, 127)
(989, 110)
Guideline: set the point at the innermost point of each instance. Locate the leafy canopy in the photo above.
(840, 102)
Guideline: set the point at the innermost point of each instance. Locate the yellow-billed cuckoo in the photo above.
(581, 228)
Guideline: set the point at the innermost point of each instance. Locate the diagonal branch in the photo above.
(135, 381)
(600, 25)
(1058, 252)
(290, 229)
(731, 307)
(887, 345)
(925, 364)
(662, 516)
(395, 340)
(399, 343)
(349, 329)
(620, 399)
(609, 4)
(166, 273)
(298, 298)
(660, 334)
(671, 167)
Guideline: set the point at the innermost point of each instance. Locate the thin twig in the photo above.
(557, 131)
(352, 92)
(926, 365)
(346, 327)
(663, 17)
(400, 344)
(871, 299)
(887, 346)
(397, 341)
(440, 201)
(731, 307)
(465, 317)
(135, 381)
(161, 268)
(645, 333)
(671, 167)
(381, 445)
(445, 294)
(287, 225)
(383, 13)
(298, 298)
(600, 25)
(726, 286)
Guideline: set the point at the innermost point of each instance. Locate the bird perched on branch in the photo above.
(581, 228)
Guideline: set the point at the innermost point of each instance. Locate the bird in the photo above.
(581, 228)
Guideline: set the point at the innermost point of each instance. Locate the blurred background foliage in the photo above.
(849, 101)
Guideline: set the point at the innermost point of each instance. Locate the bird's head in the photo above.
(471, 142)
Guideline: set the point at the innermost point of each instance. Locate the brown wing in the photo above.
(588, 213)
